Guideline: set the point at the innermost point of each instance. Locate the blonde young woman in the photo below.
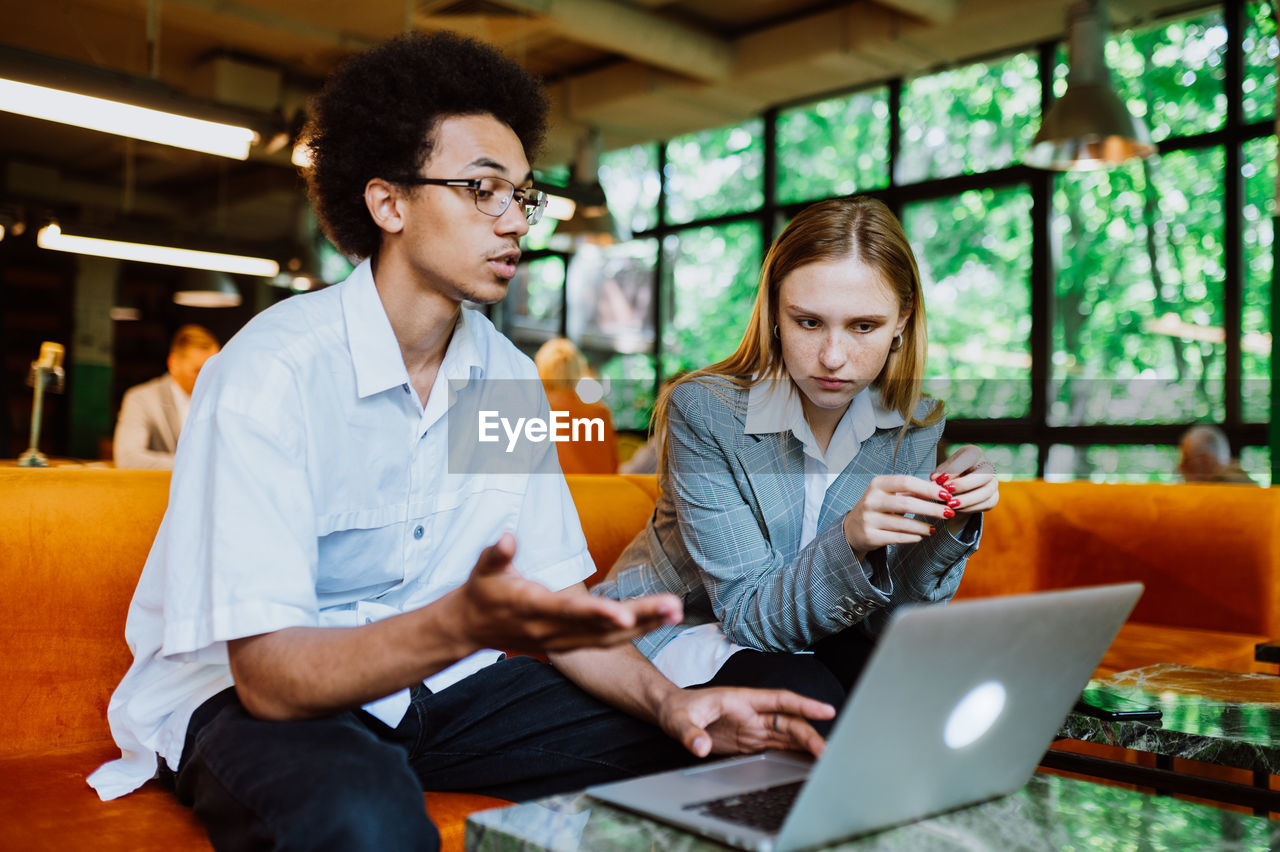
(801, 500)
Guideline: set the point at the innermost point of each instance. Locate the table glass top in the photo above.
(1049, 813)
(1227, 718)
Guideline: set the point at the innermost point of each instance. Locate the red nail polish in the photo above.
(944, 495)
(948, 514)
(953, 503)
(933, 476)
(942, 478)
(950, 486)
(932, 530)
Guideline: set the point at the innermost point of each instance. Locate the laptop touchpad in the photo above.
(760, 771)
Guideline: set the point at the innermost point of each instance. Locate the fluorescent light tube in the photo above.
(51, 237)
(167, 128)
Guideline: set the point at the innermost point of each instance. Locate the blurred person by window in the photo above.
(1205, 456)
(152, 414)
(562, 368)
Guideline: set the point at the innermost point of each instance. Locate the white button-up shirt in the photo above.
(312, 488)
(696, 654)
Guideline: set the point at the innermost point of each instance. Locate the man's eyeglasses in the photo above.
(493, 194)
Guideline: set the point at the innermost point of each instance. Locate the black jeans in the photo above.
(517, 729)
(828, 674)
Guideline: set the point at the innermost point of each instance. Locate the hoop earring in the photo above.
(775, 331)
(897, 343)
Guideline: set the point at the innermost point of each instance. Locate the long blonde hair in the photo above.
(857, 227)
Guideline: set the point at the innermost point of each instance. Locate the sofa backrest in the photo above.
(72, 544)
(1208, 554)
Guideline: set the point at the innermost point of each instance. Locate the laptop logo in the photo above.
(974, 714)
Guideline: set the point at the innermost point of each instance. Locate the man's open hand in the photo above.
(499, 608)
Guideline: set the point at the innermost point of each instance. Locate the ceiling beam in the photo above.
(933, 11)
(636, 34)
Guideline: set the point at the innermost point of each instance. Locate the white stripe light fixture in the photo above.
(108, 116)
(52, 237)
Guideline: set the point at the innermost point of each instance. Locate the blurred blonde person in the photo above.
(152, 414)
(1205, 456)
(561, 367)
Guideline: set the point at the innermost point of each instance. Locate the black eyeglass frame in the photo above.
(532, 212)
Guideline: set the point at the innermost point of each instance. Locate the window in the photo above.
(715, 172)
(707, 301)
(1258, 168)
(1078, 322)
(1138, 334)
(969, 120)
(974, 255)
(835, 147)
(1260, 52)
(631, 183)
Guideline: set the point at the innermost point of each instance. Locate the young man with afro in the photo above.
(311, 628)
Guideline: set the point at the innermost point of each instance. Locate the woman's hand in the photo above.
(970, 477)
(880, 517)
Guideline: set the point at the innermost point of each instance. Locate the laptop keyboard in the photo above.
(760, 809)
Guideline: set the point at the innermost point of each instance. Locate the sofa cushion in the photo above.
(45, 804)
(1209, 555)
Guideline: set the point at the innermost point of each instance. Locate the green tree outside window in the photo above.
(1138, 463)
(1258, 168)
(1260, 53)
(968, 120)
(974, 255)
(631, 183)
(713, 275)
(715, 172)
(1137, 326)
(834, 147)
(1169, 76)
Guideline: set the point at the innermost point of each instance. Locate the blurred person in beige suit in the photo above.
(152, 413)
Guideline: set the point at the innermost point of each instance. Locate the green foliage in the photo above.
(967, 120)
(707, 300)
(974, 255)
(1260, 52)
(1256, 461)
(1012, 461)
(630, 379)
(544, 284)
(1140, 463)
(834, 147)
(631, 183)
(1170, 76)
(1138, 304)
(715, 172)
(1258, 168)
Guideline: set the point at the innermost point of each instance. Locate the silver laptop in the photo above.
(956, 705)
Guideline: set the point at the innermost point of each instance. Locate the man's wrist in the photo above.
(447, 627)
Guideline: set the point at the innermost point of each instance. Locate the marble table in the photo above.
(1049, 813)
(1219, 717)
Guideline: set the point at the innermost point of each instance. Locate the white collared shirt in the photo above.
(313, 488)
(697, 653)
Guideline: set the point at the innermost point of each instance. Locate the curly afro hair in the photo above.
(377, 115)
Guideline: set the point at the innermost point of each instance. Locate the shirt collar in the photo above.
(774, 406)
(375, 352)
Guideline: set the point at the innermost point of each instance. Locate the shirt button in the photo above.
(418, 531)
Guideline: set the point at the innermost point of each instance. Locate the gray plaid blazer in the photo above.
(725, 533)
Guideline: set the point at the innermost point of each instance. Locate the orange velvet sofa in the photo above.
(73, 541)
